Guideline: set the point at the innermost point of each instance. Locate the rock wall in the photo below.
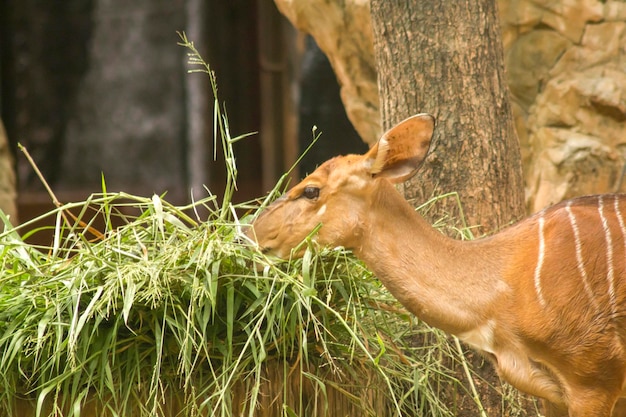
(321, 106)
(342, 29)
(566, 65)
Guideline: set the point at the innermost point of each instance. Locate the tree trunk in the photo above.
(445, 58)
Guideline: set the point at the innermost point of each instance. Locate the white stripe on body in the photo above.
(579, 256)
(620, 220)
(540, 258)
(610, 273)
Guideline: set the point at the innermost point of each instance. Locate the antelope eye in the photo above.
(311, 193)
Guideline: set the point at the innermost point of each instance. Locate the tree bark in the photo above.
(445, 58)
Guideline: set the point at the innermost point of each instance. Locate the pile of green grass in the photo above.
(169, 312)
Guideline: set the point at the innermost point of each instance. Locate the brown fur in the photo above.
(550, 332)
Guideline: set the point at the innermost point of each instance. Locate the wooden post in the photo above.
(278, 111)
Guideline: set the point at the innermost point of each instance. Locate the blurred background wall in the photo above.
(100, 87)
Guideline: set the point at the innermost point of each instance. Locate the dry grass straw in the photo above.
(170, 314)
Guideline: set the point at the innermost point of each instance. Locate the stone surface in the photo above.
(342, 29)
(570, 163)
(528, 61)
(321, 106)
(566, 64)
(585, 94)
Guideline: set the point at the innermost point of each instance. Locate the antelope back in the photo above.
(579, 259)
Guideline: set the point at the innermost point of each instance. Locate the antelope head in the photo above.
(335, 199)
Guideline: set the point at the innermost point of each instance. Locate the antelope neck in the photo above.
(450, 284)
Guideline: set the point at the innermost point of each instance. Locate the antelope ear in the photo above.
(401, 150)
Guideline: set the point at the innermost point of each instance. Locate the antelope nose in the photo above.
(245, 235)
(240, 239)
